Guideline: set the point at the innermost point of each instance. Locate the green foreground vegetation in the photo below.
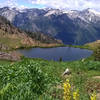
(37, 79)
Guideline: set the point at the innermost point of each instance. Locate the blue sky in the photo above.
(61, 4)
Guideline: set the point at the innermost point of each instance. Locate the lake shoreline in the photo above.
(61, 45)
(57, 53)
(18, 55)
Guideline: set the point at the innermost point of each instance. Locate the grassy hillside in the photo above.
(12, 37)
(93, 45)
(36, 79)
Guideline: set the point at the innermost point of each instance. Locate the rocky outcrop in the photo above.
(72, 27)
(67, 72)
(13, 56)
(12, 37)
(3, 47)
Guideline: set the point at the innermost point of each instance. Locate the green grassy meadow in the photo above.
(37, 79)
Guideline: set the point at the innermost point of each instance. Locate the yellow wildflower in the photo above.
(67, 91)
(93, 96)
(76, 95)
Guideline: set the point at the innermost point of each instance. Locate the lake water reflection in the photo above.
(66, 53)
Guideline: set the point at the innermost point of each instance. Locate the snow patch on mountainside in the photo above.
(87, 15)
(53, 12)
(95, 12)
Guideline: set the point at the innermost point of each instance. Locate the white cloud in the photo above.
(12, 3)
(68, 4)
(62, 4)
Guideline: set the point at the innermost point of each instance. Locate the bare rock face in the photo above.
(12, 37)
(66, 25)
(13, 56)
(3, 47)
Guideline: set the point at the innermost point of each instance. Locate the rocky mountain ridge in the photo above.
(86, 15)
(72, 27)
(13, 38)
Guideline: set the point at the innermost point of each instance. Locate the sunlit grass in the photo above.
(22, 79)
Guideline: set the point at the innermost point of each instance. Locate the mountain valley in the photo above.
(36, 63)
(72, 27)
(13, 38)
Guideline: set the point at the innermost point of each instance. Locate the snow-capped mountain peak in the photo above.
(94, 11)
(53, 12)
(87, 15)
